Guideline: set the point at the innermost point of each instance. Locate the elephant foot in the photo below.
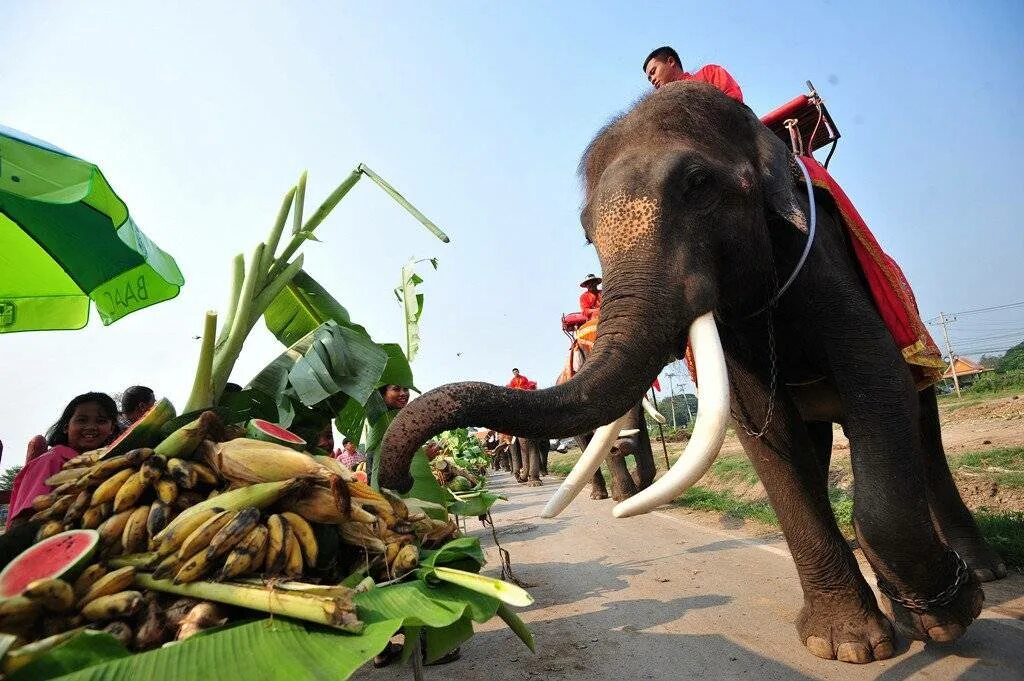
(941, 624)
(598, 494)
(534, 483)
(985, 563)
(848, 630)
(520, 480)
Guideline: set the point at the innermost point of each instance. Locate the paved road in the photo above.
(672, 595)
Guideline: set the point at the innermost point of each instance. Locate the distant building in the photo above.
(966, 371)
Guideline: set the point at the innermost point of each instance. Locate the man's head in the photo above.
(348, 445)
(515, 372)
(662, 66)
(136, 401)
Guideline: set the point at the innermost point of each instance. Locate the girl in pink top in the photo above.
(88, 422)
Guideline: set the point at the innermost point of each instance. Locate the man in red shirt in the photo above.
(662, 66)
(521, 382)
(590, 300)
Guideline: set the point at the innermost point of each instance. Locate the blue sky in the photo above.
(202, 114)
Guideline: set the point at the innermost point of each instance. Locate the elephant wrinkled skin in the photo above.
(693, 207)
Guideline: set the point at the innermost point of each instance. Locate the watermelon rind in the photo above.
(40, 561)
(258, 429)
(145, 432)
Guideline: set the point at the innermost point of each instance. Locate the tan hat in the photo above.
(590, 279)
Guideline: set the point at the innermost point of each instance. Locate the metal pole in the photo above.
(686, 398)
(672, 392)
(661, 431)
(949, 349)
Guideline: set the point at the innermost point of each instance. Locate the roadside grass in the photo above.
(1005, 466)
(951, 403)
(1005, 533)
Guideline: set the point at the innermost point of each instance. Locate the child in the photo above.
(88, 422)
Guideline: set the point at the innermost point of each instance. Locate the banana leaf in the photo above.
(302, 306)
(455, 554)
(475, 504)
(85, 649)
(412, 305)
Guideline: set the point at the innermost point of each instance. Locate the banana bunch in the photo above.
(127, 498)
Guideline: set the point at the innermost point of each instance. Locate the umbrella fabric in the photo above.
(66, 238)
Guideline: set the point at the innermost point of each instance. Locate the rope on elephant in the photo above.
(504, 555)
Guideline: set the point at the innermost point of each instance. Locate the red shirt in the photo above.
(522, 382)
(717, 76)
(589, 303)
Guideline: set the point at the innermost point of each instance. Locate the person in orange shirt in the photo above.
(590, 300)
(521, 382)
(662, 66)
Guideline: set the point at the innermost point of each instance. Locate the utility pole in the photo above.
(686, 399)
(672, 392)
(944, 320)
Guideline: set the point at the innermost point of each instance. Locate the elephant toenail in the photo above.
(857, 653)
(984, 574)
(819, 647)
(946, 632)
(883, 650)
(977, 602)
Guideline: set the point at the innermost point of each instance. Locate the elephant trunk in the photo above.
(626, 359)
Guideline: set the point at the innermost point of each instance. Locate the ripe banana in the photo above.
(175, 534)
(110, 583)
(153, 467)
(131, 490)
(95, 515)
(77, 508)
(204, 473)
(166, 490)
(17, 611)
(277, 556)
(134, 537)
(293, 566)
(407, 559)
(200, 539)
(44, 501)
(112, 528)
(122, 604)
(193, 568)
(304, 533)
(233, 532)
(88, 577)
(104, 469)
(49, 529)
(248, 554)
(55, 595)
(121, 631)
(167, 567)
(183, 473)
(159, 516)
(57, 509)
(109, 487)
(392, 552)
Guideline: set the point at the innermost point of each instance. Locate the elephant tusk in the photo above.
(596, 452)
(629, 432)
(653, 413)
(708, 432)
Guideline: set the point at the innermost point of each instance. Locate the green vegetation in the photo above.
(731, 468)
(1005, 533)
(997, 381)
(1012, 360)
(1004, 466)
(703, 499)
(7, 477)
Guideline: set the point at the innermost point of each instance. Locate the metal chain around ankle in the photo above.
(921, 605)
(773, 380)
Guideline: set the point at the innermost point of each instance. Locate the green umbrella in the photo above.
(66, 238)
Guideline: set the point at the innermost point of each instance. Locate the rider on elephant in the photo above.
(663, 66)
(590, 300)
(521, 382)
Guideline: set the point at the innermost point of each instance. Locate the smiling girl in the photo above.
(88, 422)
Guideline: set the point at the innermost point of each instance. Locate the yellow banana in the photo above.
(153, 467)
(109, 487)
(193, 568)
(17, 612)
(276, 556)
(233, 532)
(183, 473)
(175, 534)
(134, 537)
(130, 492)
(57, 509)
(205, 474)
(55, 595)
(114, 606)
(392, 552)
(112, 528)
(95, 515)
(304, 533)
(44, 501)
(247, 555)
(104, 469)
(77, 508)
(63, 477)
(159, 516)
(200, 539)
(49, 529)
(110, 583)
(167, 567)
(166, 490)
(407, 559)
(293, 564)
(88, 577)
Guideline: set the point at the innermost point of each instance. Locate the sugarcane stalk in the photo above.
(237, 279)
(334, 612)
(275, 235)
(202, 395)
(300, 202)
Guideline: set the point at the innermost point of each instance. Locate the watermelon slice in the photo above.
(60, 555)
(143, 433)
(258, 429)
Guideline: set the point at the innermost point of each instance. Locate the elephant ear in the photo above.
(778, 175)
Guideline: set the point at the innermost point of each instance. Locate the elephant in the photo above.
(697, 213)
(529, 459)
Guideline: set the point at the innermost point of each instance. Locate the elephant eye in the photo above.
(696, 179)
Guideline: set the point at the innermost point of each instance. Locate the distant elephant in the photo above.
(529, 459)
(698, 214)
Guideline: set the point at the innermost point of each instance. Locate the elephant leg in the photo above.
(643, 454)
(516, 453)
(952, 520)
(821, 438)
(545, 449)
(840, 618)
(598, 489)
(532, 457)
(623, 485)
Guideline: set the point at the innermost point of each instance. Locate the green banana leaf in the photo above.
(455, 554)
(85, 649)
(412, 305)
(474, 504)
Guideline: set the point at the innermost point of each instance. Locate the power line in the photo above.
(937, 321)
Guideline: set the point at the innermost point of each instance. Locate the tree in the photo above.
(1013, 360)
(7, 478)
(990, 361)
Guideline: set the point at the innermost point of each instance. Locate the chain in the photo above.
(773, 381)
(921, 605)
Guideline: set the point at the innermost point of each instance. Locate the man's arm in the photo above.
(720, 78)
